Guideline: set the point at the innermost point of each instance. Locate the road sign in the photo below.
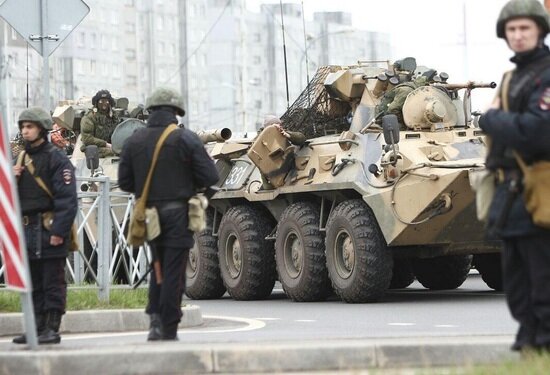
(12, 244)
(45, 24)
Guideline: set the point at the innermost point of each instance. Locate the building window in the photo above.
(130, 28)
(130, 54)
(257, 60)
(160, 22)
(114, 44)
(93, 40)
(104, 69)
(103, 42)
(162, 48)
(13, 34)
(92, 67)
(81, 39)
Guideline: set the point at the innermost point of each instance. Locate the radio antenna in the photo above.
(305, 51)
(284, 54)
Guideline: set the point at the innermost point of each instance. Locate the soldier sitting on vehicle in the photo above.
(392, 102)
(98, 124)
(280, 163)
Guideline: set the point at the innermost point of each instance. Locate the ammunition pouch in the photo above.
(483, 183)
(197, 213)
(47, 221)
(536, 190)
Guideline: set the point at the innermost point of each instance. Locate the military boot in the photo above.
(170, 332)
(155, 328)
(40, 320)
(51, 333)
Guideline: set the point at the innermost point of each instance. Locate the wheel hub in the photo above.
(233, 256)
(344, 254)
(293, 255)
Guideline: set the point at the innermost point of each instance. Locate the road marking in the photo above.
(445, 326)
(267, 319)
(251, 324)
(401, 324)
(305, 320)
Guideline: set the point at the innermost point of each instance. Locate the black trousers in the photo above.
(526, 274)
(49, 288)
(165, 298)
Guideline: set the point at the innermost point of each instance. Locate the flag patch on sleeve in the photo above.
(544, 101)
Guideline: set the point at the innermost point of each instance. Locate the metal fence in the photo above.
(104, 257)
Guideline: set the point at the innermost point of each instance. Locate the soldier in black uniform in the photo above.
(525, 129)
(182, 168)
(47, 242)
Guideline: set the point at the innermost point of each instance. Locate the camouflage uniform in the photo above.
(393, 101)
(96, 129)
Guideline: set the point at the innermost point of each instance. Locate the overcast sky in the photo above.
(455, 36)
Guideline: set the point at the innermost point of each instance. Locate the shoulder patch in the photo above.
(67, 176)
(544, 101)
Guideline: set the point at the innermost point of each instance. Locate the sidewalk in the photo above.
(237, 357)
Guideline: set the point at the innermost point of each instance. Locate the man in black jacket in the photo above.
(47, 236)
(183, 167)
(525, 129)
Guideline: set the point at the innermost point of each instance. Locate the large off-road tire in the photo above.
(247, 261)
(300, 254)
(402, 274)
(490, 268)
(358, 261)
(203, 278)
(445, 272)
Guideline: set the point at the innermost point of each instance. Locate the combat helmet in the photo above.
(523, 8)
(165, 96)
(36, 115)
(103, 94)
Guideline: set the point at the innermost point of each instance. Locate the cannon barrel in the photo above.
(468, 85)
(214, 135)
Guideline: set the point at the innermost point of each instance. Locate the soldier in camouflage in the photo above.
(98, 124)
(392, 102)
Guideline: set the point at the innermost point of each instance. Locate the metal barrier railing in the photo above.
(104, 257)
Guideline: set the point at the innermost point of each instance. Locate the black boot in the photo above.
(51, 333)
(40, 320)
(170, 332)
(155, 328)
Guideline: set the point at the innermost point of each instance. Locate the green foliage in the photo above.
(84, 299)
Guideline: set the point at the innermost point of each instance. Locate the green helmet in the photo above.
(523, 8)
(164, 96)
(36, 115)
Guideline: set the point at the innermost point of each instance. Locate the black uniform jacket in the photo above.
(525, 129)
(57, 172)
(183, 167)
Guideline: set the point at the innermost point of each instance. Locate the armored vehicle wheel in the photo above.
(300, 254)
(204, 280)
(247, 262)
(358, 262)
(490, 268)
(446, 272)
(402, 275)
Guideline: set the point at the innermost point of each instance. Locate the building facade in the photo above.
(226, 60)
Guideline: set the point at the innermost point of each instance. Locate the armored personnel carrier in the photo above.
(378, 194)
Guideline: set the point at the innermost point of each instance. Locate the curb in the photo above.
(334, 355)
(101, 321)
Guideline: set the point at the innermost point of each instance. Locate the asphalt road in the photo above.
(471, 310)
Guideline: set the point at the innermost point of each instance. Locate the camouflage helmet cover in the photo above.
(165, 96)
(103, 94)
(523, 8)
(36, 115)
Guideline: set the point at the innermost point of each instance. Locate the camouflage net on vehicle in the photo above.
(315, 113)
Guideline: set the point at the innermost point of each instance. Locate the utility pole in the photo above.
(244, 72)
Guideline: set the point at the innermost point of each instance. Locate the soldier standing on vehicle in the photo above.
(182, 168)
(524, 129)
(47, 192)
(99, 123)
